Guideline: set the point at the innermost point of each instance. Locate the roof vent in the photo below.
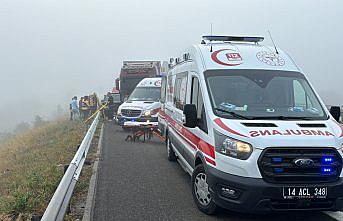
(259, 124)
(312, 125)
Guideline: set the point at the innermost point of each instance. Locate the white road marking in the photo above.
(336, 215)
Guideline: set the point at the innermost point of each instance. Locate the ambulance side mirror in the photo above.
(190, 112)
(335, 111)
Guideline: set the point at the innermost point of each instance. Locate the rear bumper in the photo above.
(257, 196)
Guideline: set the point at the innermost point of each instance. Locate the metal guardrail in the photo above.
(59, 202)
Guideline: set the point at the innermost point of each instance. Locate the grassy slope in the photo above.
(31, 165)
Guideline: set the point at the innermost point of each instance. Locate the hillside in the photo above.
(31, 166)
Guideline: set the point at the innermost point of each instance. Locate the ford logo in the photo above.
(304, 162)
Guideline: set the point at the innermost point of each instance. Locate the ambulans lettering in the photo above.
(232, 58)
(257, 133)
(158, 83)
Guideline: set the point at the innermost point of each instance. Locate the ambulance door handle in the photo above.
(183, 119)
(169, 109)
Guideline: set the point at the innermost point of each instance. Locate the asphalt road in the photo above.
(137, 182)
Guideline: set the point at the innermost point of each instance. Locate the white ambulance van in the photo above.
(243, 120)
(143, 104)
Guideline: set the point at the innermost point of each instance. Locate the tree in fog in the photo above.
(21, 128)
(38, 121)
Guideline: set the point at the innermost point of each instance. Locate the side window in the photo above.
(197, 99)
(163, 89)
(176, 93)
(170, 89)
(195, 91)
(300, 97)
(180, 91)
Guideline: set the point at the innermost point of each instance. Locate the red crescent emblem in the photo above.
(215, 58)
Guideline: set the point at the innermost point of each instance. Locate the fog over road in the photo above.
(53, 50)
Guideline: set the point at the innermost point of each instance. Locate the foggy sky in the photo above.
(51, 50)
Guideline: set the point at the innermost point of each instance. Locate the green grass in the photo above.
(31, 165)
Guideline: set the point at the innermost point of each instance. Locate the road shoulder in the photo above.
(88, 212)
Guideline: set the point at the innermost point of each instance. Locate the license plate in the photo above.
(304, 192)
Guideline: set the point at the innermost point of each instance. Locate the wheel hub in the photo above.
(201, 189)
(168, 148)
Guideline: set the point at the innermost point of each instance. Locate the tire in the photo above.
(200, 192)
(170, 152)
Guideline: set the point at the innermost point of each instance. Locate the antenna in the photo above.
(270, 35)
(211, 50)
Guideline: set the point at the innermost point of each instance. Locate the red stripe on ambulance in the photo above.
(194, 141)
(220, 123)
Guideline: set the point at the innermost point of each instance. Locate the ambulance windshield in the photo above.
(262, 94)
(145, 94)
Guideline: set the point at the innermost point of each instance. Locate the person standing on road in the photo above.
(85, 107)
(110, 105)
(93, 103)
(104, 111)
(75, 108)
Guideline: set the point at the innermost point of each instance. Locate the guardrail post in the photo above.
(35, 217)
(65, 168)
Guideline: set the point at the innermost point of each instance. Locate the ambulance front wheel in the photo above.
(200, 191)
(170, 152)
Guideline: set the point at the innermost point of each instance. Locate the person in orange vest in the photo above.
(85, 107)
(93, 103)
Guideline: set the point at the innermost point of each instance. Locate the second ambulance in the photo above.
(243, 120)
(142, 106)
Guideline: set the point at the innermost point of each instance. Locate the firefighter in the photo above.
(110, 105)
(85, 107)
(93, 103)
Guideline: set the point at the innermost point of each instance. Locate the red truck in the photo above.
(132, 72)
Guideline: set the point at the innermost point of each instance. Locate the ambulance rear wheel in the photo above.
(170, 152)
(200, 191)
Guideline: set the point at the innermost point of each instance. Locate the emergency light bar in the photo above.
(232, 38)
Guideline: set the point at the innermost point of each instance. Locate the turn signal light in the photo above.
(230, 193)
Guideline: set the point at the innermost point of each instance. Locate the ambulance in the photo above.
(243, 120)
(143, 105)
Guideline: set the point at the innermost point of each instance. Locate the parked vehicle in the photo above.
(133, 72)
(143, 104)
(243, 120)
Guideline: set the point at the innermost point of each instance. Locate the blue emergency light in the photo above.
(278, 170)
(232, 38)
(327, 170)
(327, 160)
(277, 159)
